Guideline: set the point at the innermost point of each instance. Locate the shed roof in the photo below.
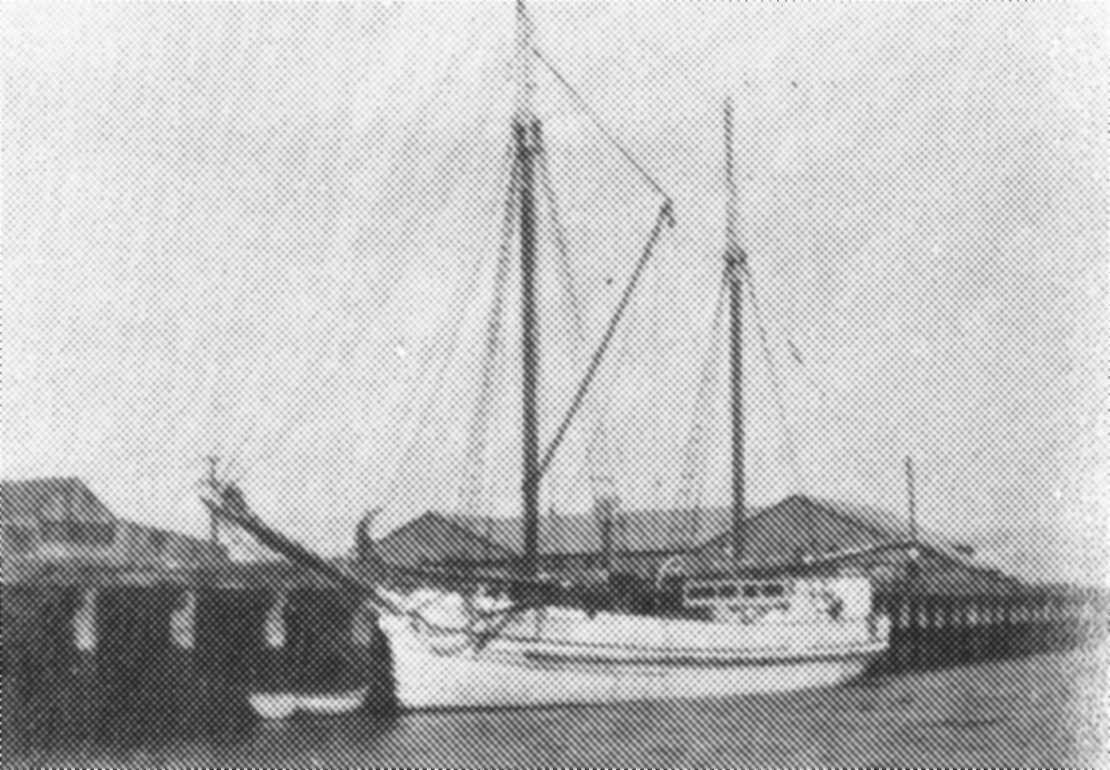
(434, 537)
(28, 500)
(797, 524)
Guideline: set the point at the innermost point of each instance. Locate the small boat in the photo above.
(728, 634)
(282, 705)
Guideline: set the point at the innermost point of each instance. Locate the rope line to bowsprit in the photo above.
(230, 506)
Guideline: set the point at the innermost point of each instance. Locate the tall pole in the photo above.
(213, 485)
(526, 132)
(911, 499)
(734, 267)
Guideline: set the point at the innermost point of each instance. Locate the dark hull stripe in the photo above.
(752, 653)
(688, 651)
(593, 661)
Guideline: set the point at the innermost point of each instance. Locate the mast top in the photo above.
(525, 78)
(730, 181)
(734, 253)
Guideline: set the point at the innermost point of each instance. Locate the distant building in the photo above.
(60, 521)
(795, 530)
(861, 538)
(435, 539)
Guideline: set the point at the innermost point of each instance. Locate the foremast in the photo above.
(527, 142)
(735, 265)
(225, 499)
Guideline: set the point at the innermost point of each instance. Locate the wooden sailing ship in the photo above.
(719, 635)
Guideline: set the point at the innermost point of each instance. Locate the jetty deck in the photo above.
(97, 651)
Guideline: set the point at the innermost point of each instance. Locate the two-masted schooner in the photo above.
(727, 635)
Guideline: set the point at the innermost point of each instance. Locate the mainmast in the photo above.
(526, 134)
(734, 270)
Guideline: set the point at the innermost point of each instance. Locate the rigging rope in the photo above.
(665, 218)
(450, 343)
(828, 408)
(597, 450)
(472, 492)
(605, 132)
(692, 480)
(348, 346)
(447, 336)
(776, 387)
(400, 159)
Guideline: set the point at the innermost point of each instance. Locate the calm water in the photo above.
(1048, 710)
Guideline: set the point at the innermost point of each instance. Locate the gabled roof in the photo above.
(794, 528)
(434, 537)
(816, 527)
(642, 531)
(896, 526)
(797, 529)
(799, 522)
(29, 500)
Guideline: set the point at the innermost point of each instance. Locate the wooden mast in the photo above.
(734, 268)
(526, 133)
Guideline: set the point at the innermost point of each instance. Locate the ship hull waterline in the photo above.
(536, 676)
(479, 680)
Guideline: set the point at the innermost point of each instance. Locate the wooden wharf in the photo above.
(93, 654)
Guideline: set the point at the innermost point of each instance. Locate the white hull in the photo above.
(557, 656)
(514, 672)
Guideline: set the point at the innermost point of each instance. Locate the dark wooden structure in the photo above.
(179, 654)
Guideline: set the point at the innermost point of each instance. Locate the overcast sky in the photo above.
(250, 229)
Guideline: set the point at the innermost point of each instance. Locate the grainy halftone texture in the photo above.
(286, 236)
